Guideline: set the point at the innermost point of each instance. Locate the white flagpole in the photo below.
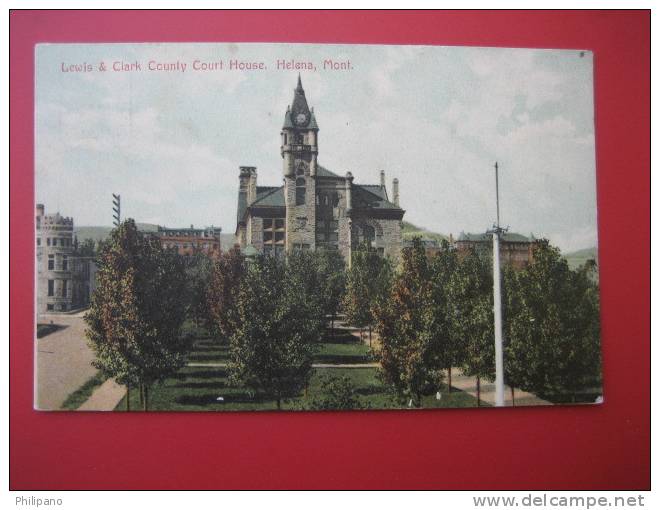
(497, 302)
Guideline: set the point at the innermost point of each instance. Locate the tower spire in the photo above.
(299, 87)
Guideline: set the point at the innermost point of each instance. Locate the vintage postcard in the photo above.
(245, 227)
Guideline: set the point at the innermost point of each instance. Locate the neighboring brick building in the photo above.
(65, 281)
(315, 208)
(515, 249)
(188, 241)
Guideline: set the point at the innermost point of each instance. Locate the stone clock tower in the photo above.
(299, 153)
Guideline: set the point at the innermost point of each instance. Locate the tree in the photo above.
(410, 355)
(136, 311)
(442, 268)
(279, 325)
(336, 393)
(552, 327)
(333, 282)
(367, 282)
(222, 293)
(198, 269)
(470, 291)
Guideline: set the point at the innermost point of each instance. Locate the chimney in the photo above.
(349, 183)
(40, 210)
(252, 187)
(248, 183)
(382, 179)
(395, 191)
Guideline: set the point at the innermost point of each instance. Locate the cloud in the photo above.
(437, 118)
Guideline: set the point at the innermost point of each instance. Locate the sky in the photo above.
(437, 118)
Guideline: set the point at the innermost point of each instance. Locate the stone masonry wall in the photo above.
(256, 232)
(301, 219)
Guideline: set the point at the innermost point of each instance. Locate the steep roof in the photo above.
(266, 195)
(299, 105)
(376, 189)
(269, 196)
(322, 171)
(372, 196)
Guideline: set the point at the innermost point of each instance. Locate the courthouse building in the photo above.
(315, 208)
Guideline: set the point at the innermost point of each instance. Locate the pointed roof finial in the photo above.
(299, 87)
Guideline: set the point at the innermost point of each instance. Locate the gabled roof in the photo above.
(266, 195)
(322, 171)
(371, 196)
(269, 196)
(376, 189)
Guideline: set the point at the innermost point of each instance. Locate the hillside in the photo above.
(408, 231)
(577, 258)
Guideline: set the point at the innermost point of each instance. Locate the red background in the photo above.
(589, 447)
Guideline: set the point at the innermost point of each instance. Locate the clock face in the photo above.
(301, 118)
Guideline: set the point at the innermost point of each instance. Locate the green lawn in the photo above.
(343, 353)
(209, 351)
(80, 396)
(46, 329)
(198, 389)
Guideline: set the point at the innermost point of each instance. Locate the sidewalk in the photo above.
(469, 385)
(62, 359)
(105, 397)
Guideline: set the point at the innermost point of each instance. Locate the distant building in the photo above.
(65, 281)
(188, 241)
(516, 250)
(431, 246)
(315, 208)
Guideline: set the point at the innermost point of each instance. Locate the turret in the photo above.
(299, 133)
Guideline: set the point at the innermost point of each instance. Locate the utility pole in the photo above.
(116, 207)
(497, 300)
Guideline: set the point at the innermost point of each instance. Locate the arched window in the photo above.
(300, 191)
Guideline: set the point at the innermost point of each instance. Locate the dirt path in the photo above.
(105, 397)
(62, 360)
